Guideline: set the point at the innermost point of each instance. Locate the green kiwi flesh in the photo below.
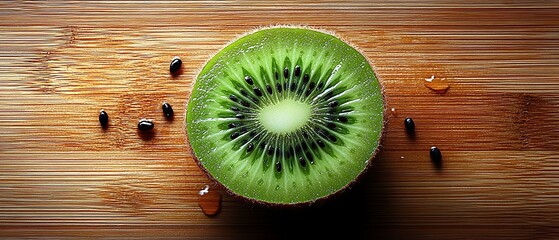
(285, 116)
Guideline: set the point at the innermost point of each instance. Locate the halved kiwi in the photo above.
(285, 116)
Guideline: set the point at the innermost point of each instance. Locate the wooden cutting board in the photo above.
(62, 176)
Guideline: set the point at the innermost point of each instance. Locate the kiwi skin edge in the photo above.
(319, 201)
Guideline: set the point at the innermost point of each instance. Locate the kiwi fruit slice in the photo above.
(285, 116)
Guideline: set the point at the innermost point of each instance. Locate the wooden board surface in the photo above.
(62, 176)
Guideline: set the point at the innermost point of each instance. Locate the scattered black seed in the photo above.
(276, 75)
(278, 86)
(245, 103)
(320, 143)
(262, 145)
(320, 85)
(252, 134)
(333, 104)
(342, 119)
(239, 116)
(331, 125)
(435, 154)
(167, 110)
(250, 146)
(306, 78)
(409, 124)
(233, 98)
(302, 162)
(243, 92)
(236, 109)
(257, 91)
(308, 92)
(248, 79)
(145, 125)
(305, 135)
(293, 86)
(103, 118)
(232, 125)
(175, 65)
(234, 135)
(285, 73)
(297, 71)
(278, 166)
(270, 150)
(243, 130)
(269, 89)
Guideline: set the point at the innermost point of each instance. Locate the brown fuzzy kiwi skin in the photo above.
(317, 202)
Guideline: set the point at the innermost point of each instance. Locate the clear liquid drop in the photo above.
(209, 201)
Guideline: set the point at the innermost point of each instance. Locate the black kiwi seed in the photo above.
(331, 125)
(309, 157)
(250, 146)
(278, 166)
(409, 124)
(435, 154)
(234, 135)
(320, 143)
(306, 78)
(308, 92)
(276, 75)
(244, 103)
(233, 98)
(257, 91)
(243, 130)
(312, 85)
(319, 86)
(103, 118)
(175, 65)
(270, 150)
(278, 86)
(333, 104)
(297, 149)
(297, 71)
(145, 125)
(293, 86)
(232, 125)
(167, 110)
(236, 109)
(248, 79)
(302, 162)
(269, 89)
(239, 116)
(342, 119)
(243, 92)
(285, 73)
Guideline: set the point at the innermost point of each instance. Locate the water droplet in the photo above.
(437, 85)
(209, 201)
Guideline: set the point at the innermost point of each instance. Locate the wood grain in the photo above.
(62, 176)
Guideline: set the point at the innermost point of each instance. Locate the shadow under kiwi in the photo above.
(363, 211)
